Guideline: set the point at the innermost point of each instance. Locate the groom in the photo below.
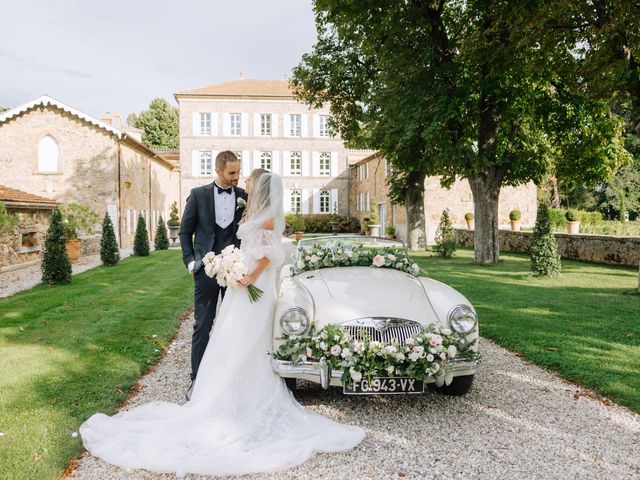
(212, 213)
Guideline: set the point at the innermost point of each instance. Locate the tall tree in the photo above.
(160, 124)
(456, 89)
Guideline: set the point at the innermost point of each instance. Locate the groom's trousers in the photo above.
(206, 293)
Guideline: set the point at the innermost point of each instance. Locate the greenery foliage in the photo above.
(160, 124)
(141, 239)
(161, 241)
(56, 266)
(468, 216)
(174, 219)
(109, 252)
(8, 221)
(445, 236)
(78, 217)
(545, 260)
(321, 223)
(515, 215)
(571, 216)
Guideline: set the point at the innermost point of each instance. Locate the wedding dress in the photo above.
(241, 417)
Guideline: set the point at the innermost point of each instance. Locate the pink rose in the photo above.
(443, 355)
(309, 352)
(314, 259)
(335, 350)
(435, 340)
(378, 260)
(391, 257)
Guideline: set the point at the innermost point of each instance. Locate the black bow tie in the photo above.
(224, 190)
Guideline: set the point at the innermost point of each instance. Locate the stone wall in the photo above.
(590, 248)
(34, 224)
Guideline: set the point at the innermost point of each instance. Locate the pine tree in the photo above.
(161, 241)
(141, 239)
(545, 261)
(445, 236)
(56, 266)
(109, 253)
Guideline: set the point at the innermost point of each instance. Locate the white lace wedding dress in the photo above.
(241, 418)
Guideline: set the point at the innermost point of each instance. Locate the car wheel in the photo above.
(459, 386)
(291, 384)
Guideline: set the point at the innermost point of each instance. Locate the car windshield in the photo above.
(368, 243)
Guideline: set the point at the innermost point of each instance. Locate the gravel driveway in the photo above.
(518, 421)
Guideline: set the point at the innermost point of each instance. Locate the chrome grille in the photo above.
(383, 330)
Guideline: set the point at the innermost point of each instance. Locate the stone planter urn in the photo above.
(471, 224)
(375, 230)
(515, 225)
(73, 249)
(173, 233)
(573, 227)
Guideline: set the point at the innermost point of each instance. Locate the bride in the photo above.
(241, 417)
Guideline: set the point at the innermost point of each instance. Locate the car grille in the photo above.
(382, 329)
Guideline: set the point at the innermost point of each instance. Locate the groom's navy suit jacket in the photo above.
(198, 226)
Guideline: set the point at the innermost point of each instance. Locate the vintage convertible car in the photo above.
(385, 306)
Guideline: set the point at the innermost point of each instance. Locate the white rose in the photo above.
(323, 335)
(309, 352)
(323, 346)
(452, 351)
(358, 346)
(390, 349)
(228, 250)
(375, 346)
(355, 375)
(410, 341)
(346, 353)
(414, 356)
(446, 331)
(429, 358)
(419, 350)
(390, 369)
(400, 357)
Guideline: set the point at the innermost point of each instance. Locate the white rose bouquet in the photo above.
(228, 268)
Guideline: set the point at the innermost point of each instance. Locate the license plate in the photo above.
(384, 386)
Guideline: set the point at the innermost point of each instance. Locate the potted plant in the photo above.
(173, 223)
(365, 225)
(77, 218)
(298, 226)
(374, 226)
(390, 231)
(468, 217)
(514, 218)
(573, 224)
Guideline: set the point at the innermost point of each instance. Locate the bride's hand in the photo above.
(246, 280)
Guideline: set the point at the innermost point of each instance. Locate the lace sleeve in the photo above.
(270, 246)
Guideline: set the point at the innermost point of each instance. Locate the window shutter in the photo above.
(195, 164)
(316, 201)
(274, 124)
(256, 125)
(226, 124)
(316, 125)
(286, 163)
(304, 208)
(275, 162)
(214, 124)
(128, 222)
(334, 201)
(246, 163)
(304, 125)
(334, 164)
(306, 171)
(286, 200)
(196, 124)
(315, 164)
(244, 124)
(286, 125)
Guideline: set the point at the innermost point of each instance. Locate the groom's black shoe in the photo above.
(189, 392)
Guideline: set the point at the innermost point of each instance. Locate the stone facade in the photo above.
(25, 244)
(589, 248)
(95, 163)
(368, 180)
(206, 129)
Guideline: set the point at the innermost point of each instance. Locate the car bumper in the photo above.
(319, 372)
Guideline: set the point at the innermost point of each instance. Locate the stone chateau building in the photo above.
(263, 123)
(368, 185)
(51, 150)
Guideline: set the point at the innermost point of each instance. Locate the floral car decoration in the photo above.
(338, 254)
(424, 354)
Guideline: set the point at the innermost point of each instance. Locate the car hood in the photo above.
(347, 293)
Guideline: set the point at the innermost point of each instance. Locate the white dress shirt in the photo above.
(225, 204)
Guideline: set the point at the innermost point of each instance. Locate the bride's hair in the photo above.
(265, 201)
(251, 183)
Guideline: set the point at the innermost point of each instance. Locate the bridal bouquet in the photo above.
(228, 269)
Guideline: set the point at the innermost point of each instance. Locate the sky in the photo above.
(117, 56)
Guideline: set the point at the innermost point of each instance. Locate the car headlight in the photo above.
(462, 319)
(294, 321)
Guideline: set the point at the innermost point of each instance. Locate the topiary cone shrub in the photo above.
(141, 239)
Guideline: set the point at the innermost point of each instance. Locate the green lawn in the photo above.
(67, 352)
(584, 325)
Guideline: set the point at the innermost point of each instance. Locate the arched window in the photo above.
(48, 154)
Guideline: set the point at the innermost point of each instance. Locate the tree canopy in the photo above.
(160, 124)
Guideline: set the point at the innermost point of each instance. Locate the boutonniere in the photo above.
(241, 203)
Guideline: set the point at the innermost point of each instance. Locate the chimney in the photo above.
(241, 75)
(112, 119)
